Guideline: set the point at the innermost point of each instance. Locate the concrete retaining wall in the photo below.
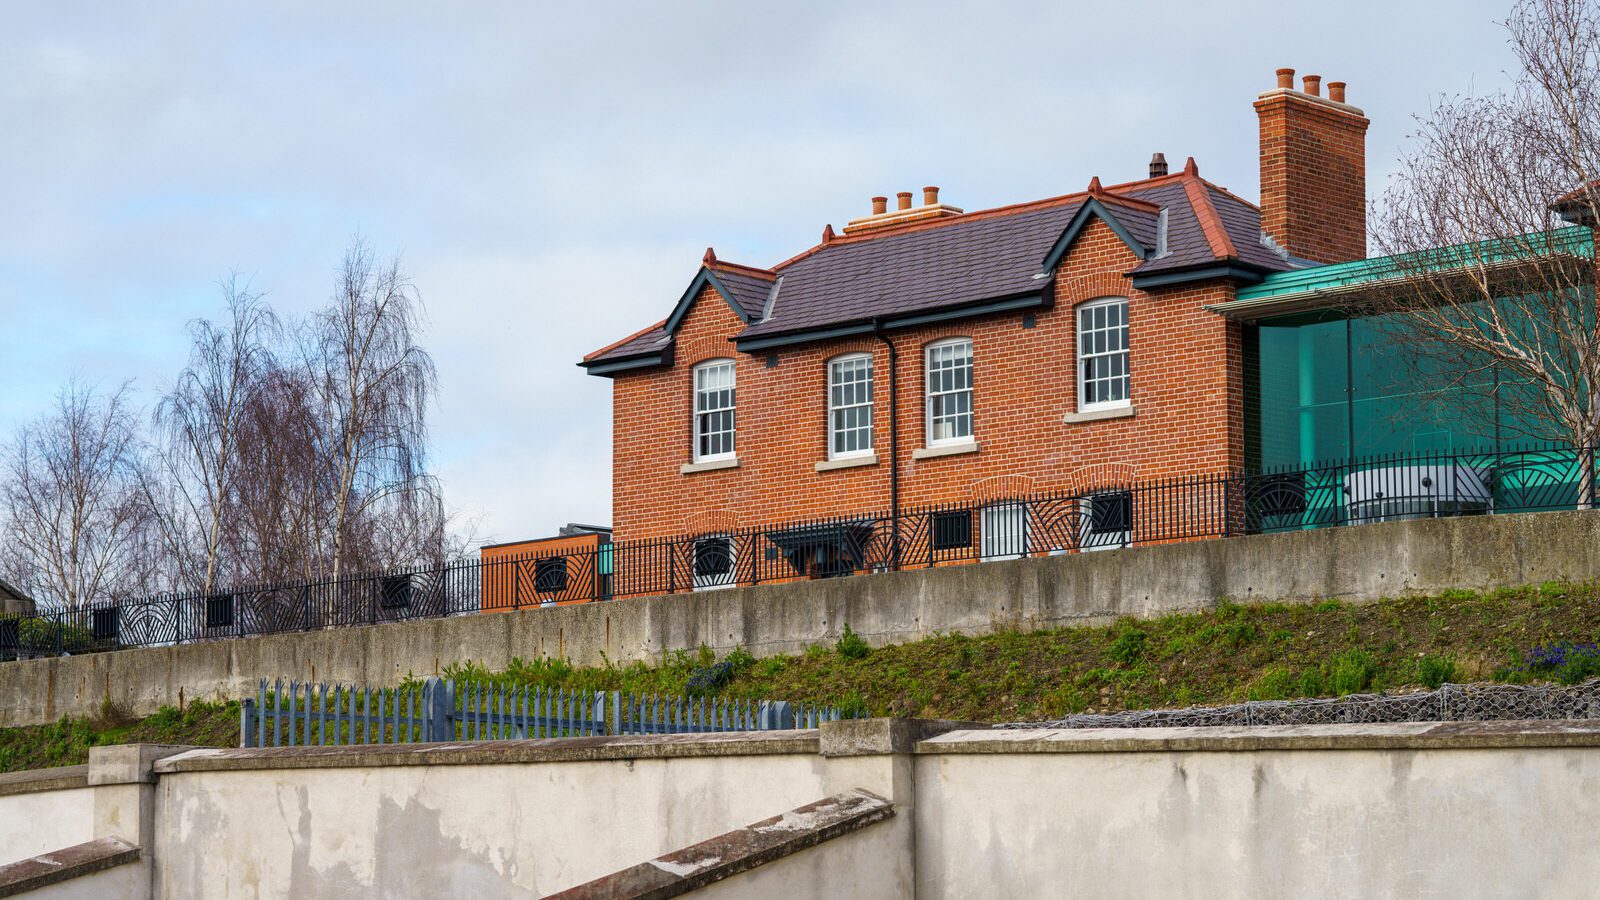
(1360, 563)
(1461, 809)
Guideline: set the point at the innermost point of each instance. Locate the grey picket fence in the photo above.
(314, 714)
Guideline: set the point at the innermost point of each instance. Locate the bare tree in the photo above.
(371, 385)
(1488, 226)
(70, 499)
(275, 504)
(196, 459)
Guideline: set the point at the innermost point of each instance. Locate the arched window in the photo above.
(850, 405)
(713, 410)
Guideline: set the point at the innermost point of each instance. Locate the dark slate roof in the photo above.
(749, 289)
(976, 260)
(650, 340)
(1243, 223)
(921, 269)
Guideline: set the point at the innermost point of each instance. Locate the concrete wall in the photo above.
(472, 830)
(40, 817)
(1455, 810)
(1360, 563)
(1394, 822)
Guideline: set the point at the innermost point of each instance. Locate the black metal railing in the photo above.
(1107, 516)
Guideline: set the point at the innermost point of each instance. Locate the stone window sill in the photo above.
(945, 450)
(848, 462)
(1099, 415)
(710, 465)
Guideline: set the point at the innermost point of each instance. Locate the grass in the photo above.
(1225, 655)
(67, 742)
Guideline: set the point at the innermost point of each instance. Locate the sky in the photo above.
(550, 174)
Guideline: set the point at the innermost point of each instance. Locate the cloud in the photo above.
(551, 173)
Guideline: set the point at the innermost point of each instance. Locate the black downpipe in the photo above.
(894, 442)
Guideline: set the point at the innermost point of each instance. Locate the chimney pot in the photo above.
(905, 199)
(930, 196)
(1313, 85)
(1158, 165)
(1336, 91)
(880, 205)
(1286, 78)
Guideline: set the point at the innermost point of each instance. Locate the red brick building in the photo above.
(932, 355)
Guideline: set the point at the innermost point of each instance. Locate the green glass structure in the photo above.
(1364, 422)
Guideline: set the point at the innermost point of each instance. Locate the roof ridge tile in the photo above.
(1210, 223)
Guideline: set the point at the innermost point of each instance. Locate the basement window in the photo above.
(1107, 521)
(219, 611)
(714, 559)
(951, 530)
(1005, 531)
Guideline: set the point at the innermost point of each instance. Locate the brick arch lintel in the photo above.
(710, 521)
(1099, 475)
(1079, 288)
(1002, 487)
(697, 350)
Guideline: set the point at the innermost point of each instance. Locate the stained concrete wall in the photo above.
(505, 828)
(1458, 810)
(1359, 563)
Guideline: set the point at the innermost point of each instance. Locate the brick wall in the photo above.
(509, 573)
(1313, 176)
(1185, 366)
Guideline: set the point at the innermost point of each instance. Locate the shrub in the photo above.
(854, 706)
(1351, 672)
(1274, 684)
(1435, 670)
(1128, 646)
(850, 645)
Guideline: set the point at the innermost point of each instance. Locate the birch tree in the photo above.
(1489, 223)
(196, 461)
(371, 384)
(70, 499)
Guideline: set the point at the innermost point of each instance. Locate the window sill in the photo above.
(710, 465)
(945, 450)
(1099, 415)
(848, 462)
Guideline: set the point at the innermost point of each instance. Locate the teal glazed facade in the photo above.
(1340, 402)
(1329, 387)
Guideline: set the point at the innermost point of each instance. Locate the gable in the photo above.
(708, 278)
(1091, 210)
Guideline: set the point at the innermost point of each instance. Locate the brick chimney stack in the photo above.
(1313, 170)
(903, 213)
